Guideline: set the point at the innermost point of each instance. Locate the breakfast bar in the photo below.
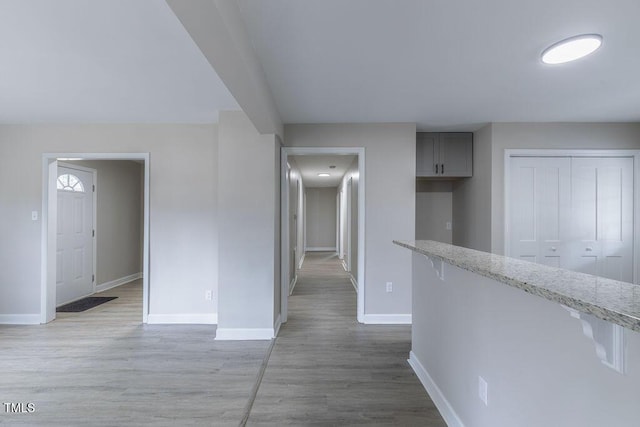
(499, 341)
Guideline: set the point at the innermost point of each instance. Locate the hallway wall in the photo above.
(321, 219)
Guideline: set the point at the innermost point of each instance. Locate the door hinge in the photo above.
(93, 233)
(94, 188)
(93, 278)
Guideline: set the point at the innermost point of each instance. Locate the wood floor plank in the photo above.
(327, 369)
(103, 367)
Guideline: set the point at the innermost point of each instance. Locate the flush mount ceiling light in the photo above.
(323, 174)
(571, 49)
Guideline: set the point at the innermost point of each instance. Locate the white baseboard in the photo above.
(244, 334)
(387, 319)
(301, 261)
(121, 281)
(277, 325)
(321, 249)
(186, 318)
(293, 284)
(19, 319)
(441, 402)
(344, 265)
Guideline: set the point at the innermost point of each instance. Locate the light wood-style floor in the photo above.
(104, 368)
(328, 370)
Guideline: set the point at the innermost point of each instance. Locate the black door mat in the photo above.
(83, 304)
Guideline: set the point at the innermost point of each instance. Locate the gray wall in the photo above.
(248, 214)
(183, 231)
(119, 217)
(321, 218)
(603, 136)
(434, 207)
(472, 197)
(540, 368)
(478, 203)
(390, 202)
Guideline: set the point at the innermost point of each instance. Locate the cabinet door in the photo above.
(456, 154)
(427, 150)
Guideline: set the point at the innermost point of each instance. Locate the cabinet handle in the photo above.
(436, 169)
(442, 169)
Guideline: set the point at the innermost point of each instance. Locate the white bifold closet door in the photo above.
(574, 213)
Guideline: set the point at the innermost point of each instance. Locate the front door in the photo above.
(74, 256)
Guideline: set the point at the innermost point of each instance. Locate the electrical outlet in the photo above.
(389, 286)
(208, 295)
(448, 225)
(483, 390)
(34, 215)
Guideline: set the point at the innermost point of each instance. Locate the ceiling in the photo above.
(445, 64)
(311, 165)
(103, 61)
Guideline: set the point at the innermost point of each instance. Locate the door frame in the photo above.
(94, 172)
(285, 152)
(634, 154)
(48, 266)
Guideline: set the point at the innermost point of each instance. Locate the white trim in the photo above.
(49, 224)
(344, 265)
(321, 249)
(284, 218)
(387, 319)
(118, 282)
(635, 154)
(293, 284)
(444, 407)
(184, 318)
(354, 282)
(19, 319)
(301, 260)
(277, 325)
(244, 334)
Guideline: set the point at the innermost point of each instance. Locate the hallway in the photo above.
(327, 369)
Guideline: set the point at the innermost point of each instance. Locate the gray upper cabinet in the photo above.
(444, 155)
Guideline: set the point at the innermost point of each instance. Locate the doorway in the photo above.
(357, 223)
(50, 223)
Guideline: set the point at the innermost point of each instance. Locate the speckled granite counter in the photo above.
(617, 302)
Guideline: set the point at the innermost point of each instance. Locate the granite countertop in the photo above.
(611, 300)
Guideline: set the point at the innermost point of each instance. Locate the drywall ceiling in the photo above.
(445, 64)
(103, 61)
(311, 165)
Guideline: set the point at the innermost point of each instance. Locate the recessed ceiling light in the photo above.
(323, 174)
(571, 49)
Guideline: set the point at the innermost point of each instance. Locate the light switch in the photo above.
(34, 215)
(448, 225)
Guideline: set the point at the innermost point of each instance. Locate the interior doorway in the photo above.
(344, 243)
(51, 266)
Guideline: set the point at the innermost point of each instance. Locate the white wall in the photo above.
(434, 206)
(119, 218)
(390, 202)
(321, 218)
(540, 368)
(183, 187)
(248, 189)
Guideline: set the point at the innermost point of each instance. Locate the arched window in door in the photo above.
(69, 182)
